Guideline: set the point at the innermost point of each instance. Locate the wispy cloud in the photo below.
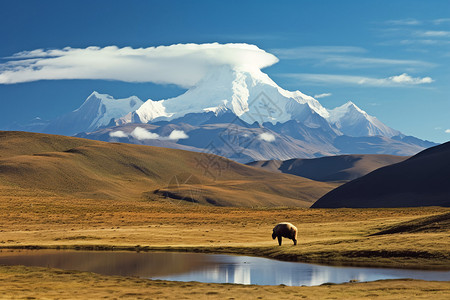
(424, 42)
(344, 57)
(322, 95)
(441, 21)
(369, 62)
(404, 22)
(406, 79)
(314, 51)
(180, 64)
(434, 33)
(447, 130)
(392, 81)
(429, 33)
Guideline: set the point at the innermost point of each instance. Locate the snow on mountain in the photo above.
(353, 121)
(249, 93)
(97, 110)
(104, 108)
(268, 121)
(252, 96)
(148, 111)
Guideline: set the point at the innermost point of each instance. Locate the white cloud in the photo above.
(425, 42)
(315, 51)
(180, 64)
(118, 134)
(407, 22)
(406, 79)
(434, 33)
(447, 130)
(322, 95)
(373, 62)
(140, 133)
(178, 135)
(267, 137)
(440, 21)
(393, 81)
(344, 57)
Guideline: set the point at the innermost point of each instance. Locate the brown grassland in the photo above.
(67, 193)
(29, 219)
(20, 282)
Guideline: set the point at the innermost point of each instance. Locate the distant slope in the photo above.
(330, 168)
(403, 146)
(439, 223)
(422, 180)
(93, 169)
(231, 137)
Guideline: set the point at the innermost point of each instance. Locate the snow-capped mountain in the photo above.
(248, 93)
(353, 121)
(253, 97)
(239, 113)
(98, 110)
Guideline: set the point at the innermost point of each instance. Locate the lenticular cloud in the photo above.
(180, 64)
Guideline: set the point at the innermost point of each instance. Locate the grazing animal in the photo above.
(286, 230)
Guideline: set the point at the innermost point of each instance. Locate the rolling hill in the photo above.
(422, 180)
(330, 168)
(88, 169)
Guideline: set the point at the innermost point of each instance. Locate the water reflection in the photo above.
(207, 267)
(254, 270)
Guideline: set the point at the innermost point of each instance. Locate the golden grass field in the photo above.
(58, 192)
(100, 170)
(41, 283)
(334, 236)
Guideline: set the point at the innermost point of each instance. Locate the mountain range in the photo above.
(239, 113)
(330, 168)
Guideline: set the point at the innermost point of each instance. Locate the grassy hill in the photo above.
(421, 180)
(436, 223)
(330, 168)
(91, 169)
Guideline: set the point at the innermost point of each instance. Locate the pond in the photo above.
(214, 268)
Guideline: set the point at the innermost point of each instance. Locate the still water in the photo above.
(206, 267)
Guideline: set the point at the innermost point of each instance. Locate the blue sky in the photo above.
(391, 58)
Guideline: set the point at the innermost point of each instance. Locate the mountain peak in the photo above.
(349, 105)
(247, 92)
(96, 111)
(98, 95)
(353, 121)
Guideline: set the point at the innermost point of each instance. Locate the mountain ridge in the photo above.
(330, 168)
(263, 119)
(421, 180)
